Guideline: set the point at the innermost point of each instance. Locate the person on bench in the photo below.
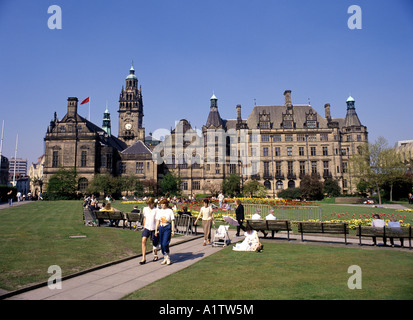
(108, 208)
(257, 216)
(393, 223)
(378, 223)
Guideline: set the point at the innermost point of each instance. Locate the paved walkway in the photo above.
(117, 280)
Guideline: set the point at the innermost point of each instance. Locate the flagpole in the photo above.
(89, 108)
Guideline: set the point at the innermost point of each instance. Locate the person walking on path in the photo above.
(149, 223)
(10, 197)
(165, 226)
(220, 199)
(207, 221)
(239, 215)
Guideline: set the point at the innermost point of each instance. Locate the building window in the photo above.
(279, 185)
(265, 152)
(83, 183)
(55, 159)
(83, 159)
(267, 185)
(184, 185)
(312, 137)
(288, 137)
(277, 138)
(313, 151)
(277, 151)
(314, 167)
(290, 168)
(326, 169)
(289, 151)
(288, 124)
(139, 167)
(359, 137)
(109, 161)
(278, 168)
(122, 167)
(265, 138)
(266, 169)
(302, 168)
(311, 124)
(300, 151)
(196, 185)
(300, 137)
(325, 151)
(323, 137)
(264, 125)
(345, 169)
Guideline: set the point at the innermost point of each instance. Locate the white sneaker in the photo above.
(168, 262)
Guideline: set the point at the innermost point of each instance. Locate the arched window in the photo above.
(279, 185)
(291, 184)
(267, 184)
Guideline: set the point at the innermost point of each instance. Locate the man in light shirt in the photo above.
(378, 223)
(149, 223)
(270, 216)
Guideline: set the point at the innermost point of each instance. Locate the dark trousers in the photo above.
(240, 226)
(165, 238)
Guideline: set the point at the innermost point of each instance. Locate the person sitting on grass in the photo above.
(251, 241)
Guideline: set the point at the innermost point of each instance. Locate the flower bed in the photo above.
(354, 219)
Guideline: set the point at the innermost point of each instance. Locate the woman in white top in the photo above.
(207, 220)
(165, 226)
(250, 242)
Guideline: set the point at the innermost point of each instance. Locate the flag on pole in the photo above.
(85, 100)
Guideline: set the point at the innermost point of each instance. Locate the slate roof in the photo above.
(276, 116)
(137, 148)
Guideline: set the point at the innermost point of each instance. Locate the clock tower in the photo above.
(131, 111)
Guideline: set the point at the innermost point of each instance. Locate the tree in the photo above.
(171, 184)
(377, 164)
(63, 184)
(213, 187)
(252, 187)
(232, 184)
(331, 187)
(311, 187)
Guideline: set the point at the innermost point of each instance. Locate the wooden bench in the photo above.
(271, 225)
(323, 227)
(385, 232)
(106, 215)
(187, 222)
(136, 217)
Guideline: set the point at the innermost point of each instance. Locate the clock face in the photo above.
(128, 126)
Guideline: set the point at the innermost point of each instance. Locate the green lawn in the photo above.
(36, 235)
(288, 271)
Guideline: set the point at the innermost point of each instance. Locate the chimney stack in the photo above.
(72, 106)
(287, 95)
(239, 119)
(327, 111)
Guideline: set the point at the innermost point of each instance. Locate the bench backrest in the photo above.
(184, 220)
(391, 232)
(134, 217)
(102, 214)
(117, 215)
(323, 227)
(273, 225)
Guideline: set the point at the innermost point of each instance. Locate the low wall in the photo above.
(349, 200)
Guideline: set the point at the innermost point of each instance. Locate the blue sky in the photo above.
(183, 50)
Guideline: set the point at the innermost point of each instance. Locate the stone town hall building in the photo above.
(281, 143)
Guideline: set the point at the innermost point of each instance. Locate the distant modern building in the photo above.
(18, 166)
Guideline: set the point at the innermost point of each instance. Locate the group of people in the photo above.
(380, 223)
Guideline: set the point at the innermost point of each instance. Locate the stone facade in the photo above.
(276, 145)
